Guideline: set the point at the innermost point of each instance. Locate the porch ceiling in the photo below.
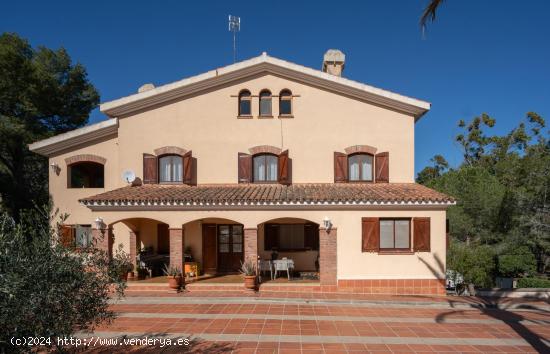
(271, 194)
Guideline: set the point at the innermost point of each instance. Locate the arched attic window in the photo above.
(265, 103)
(285, 103)
(245, 103)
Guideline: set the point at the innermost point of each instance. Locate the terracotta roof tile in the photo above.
(272, 193)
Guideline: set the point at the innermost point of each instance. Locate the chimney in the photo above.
(146, 87)
(333, 62)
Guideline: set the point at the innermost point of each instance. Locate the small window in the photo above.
(86, 175)
(83, 236)
(170, 168)
(245, 106)
(285, 103)
(360, 167)
(265, 168)
(395, 234)
(265, 103)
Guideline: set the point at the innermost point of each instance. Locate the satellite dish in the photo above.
(129, 176)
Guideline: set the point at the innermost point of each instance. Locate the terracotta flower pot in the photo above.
(250, 281)
(124, 276)
(130, 276)
(174, 282)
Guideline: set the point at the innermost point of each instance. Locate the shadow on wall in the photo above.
(498, 308)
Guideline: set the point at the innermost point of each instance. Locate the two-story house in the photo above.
(263, 155)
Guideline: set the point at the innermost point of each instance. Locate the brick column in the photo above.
(176, 248)
(327, 256)
(104, 240)
(135, 244)
(251, 244)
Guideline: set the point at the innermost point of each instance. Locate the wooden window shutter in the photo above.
(340, 167)
(370, 235)
(311, 236)
(421, 234)
(150, 169)
(284, 167)
(382, 163)
(67, 236)
(245, 168)
(271, 236)
(189, 169)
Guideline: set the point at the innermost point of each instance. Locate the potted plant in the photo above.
(121, 263)
(248, 270)
(174, 275)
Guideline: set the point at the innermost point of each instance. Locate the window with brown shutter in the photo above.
(382, 167)
(67, 236)
(245, 168)
(370, 235)
(284, 173)
(150, 169)
(189, 169)
(340, 167)
(421, 234)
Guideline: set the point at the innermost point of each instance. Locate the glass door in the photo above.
(230, 247)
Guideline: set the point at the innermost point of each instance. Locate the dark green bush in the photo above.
(46, 289)
(533, 283)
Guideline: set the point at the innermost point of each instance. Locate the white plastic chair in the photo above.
(264, 266)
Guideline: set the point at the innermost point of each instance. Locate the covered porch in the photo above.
(211, 249)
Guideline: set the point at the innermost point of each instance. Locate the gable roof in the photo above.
(263, 64)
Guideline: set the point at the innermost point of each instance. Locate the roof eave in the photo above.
(73, 138)
(254, 66)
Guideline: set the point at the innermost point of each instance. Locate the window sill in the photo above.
(283, 116)
(395, 252)
(171, 183)
(265, 117)
(244, 117)
(293, 250)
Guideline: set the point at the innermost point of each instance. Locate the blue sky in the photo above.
(479, 56)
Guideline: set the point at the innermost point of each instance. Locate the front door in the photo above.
(230, 247)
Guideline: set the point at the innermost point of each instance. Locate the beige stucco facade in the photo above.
(323, 121)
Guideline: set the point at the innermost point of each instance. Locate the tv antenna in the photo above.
(234, 26)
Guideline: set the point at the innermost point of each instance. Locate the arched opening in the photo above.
(146, 241)
(285, 103)
(85, 174)
(292, 242)
(265, 103)
(216, 246)
(245, 103)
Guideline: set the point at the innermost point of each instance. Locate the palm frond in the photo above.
(428, 15)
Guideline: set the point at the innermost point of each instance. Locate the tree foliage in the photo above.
(42, 93)
(47, 290)
(502, 188)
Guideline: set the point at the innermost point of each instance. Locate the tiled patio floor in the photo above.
(249, 324)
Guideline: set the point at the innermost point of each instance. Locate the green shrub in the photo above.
(533, 283)
(517, 262)
(46, 289)
(476, 264)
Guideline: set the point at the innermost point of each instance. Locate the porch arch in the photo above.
(145, 239)
(218, 244)
(292, 238)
